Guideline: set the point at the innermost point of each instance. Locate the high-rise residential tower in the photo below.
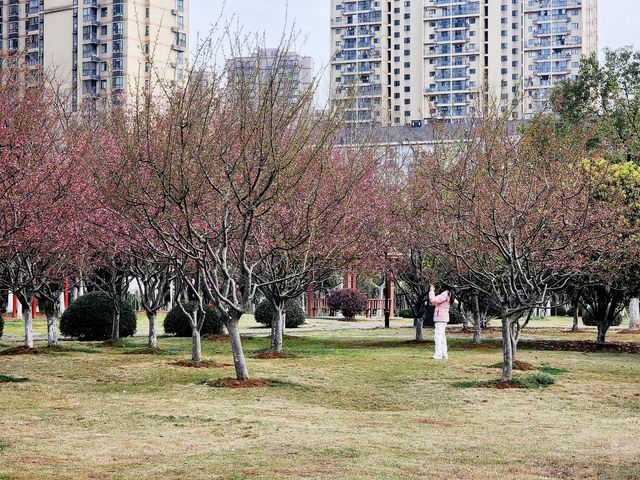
(98, 49)
(402, 62)
(295, 69)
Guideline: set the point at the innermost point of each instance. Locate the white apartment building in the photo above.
(295, 69)
(98, 49)
(403, 62)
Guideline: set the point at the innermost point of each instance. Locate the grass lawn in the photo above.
(347, 404)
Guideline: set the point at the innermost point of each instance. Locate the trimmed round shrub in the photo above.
(560, 311)
(1, 324)
(348, 301)
(294, 318)
(589, 320)
(177, 322)
(90, 317)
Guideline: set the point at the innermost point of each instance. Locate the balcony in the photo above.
(91, 20)
(179, 46)
(91, 74)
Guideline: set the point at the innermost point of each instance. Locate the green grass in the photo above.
(12, 379)
(346, 405)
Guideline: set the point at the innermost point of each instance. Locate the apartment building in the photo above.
(98, 50)
(295, 69)
(404, 62)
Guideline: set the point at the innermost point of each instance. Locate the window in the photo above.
(104, 66)
(117, 28)
(118, 83)
(117, 46)
(118, 9)
(146, 12)
(180, 5)
(103, 48)
(104, 12)
(146, 30)
(103, 30)
(103, 84)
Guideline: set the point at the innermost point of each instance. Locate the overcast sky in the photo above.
(618, 23)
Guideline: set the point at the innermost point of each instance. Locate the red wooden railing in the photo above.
(320, 307)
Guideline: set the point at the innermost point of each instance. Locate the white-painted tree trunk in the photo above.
(507, 353)
(115, 326)
(419, 332)
(239, 362)
(634, 314)
(196, 345)
(277, 328)
(28, 327)
(153, 337)
(52, 334)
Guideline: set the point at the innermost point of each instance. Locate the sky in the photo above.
(618, 24)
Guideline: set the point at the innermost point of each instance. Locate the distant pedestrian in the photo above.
(442, 303)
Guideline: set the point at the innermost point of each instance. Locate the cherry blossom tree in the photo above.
(513, 212)
(38, 192)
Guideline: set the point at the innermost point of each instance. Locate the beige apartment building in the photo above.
(98, 50)
(405, 62)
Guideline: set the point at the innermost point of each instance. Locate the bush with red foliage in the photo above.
(348, 301)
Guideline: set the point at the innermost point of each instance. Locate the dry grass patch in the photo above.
(350, 405)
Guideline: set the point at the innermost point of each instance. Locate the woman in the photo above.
(441, 303)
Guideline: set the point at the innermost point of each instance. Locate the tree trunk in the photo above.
(634, 314)
(153, 337)
(196, 346)
(419, 334)
(465, 318)
(477, 321)
(602, 333)
(52, 334)
(277, 328)
(507, 354)
(115, 325)
(242, 373)
(576, 320)
(28, 326)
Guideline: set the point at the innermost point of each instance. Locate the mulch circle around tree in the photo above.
(22, 350)
(629, 332)
(585, 346)
(506, 385)
(234, 383)
(272, 355)
(200, 364)
(517, 365)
